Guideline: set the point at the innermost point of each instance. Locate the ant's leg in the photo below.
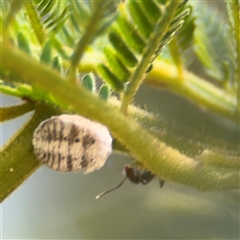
(161, 182)
(146, 177)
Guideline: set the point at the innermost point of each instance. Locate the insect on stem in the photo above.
(72, 143)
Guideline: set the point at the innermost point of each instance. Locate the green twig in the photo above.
(160, 159)
(161, 129)
(140, 72)
(218, 158)
(85, 40)
(15, 111)
(17, 158)
(15, 6)
(195, 89)
(190, 86)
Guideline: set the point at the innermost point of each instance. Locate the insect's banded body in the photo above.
(71, 143)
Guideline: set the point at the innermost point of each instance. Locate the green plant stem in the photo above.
(233, 8)
(190, 86)
(176, 55)
(195, 89)
(14, 172)
(217, 158)
(8, 113)
(160, 159)
(150, 51)
(191, 142)
(238, 64)
(15, 6)
(18, 161)
(85, 40)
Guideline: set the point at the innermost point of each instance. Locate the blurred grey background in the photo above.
(52, 205)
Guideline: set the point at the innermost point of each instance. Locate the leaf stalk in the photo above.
(149, 53)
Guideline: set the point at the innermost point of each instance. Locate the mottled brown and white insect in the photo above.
(71, 143)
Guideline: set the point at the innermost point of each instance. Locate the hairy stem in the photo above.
(196, 89)
(217, 158)
(190, 86)
(192, 141)
(17, 158)
(8, 113)
(156, 156)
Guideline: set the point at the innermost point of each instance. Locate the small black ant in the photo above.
(136, 176)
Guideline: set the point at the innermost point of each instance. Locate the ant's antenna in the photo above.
(112, 189)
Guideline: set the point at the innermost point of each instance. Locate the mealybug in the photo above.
(71, 143)
(136, 176)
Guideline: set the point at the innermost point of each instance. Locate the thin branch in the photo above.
(85, 40)
(15, 6)
(191, 142)
(190, 86)
(15, 111)
(218, 158)
(195, 89)
(17, 158)
(162, 160)
(140, 72)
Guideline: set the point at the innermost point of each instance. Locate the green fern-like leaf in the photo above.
(138, 37)
(182, 44)
(9, 11)
(233, 40)
(88, 81)
(66, 27)
(81, 13)
(47, 16)
(46, 54)
(104, 92)
(23, 43)
(210, 45)
(63, 22)
(133, 30)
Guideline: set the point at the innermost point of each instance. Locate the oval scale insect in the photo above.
(71, 143)
(135, 176)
